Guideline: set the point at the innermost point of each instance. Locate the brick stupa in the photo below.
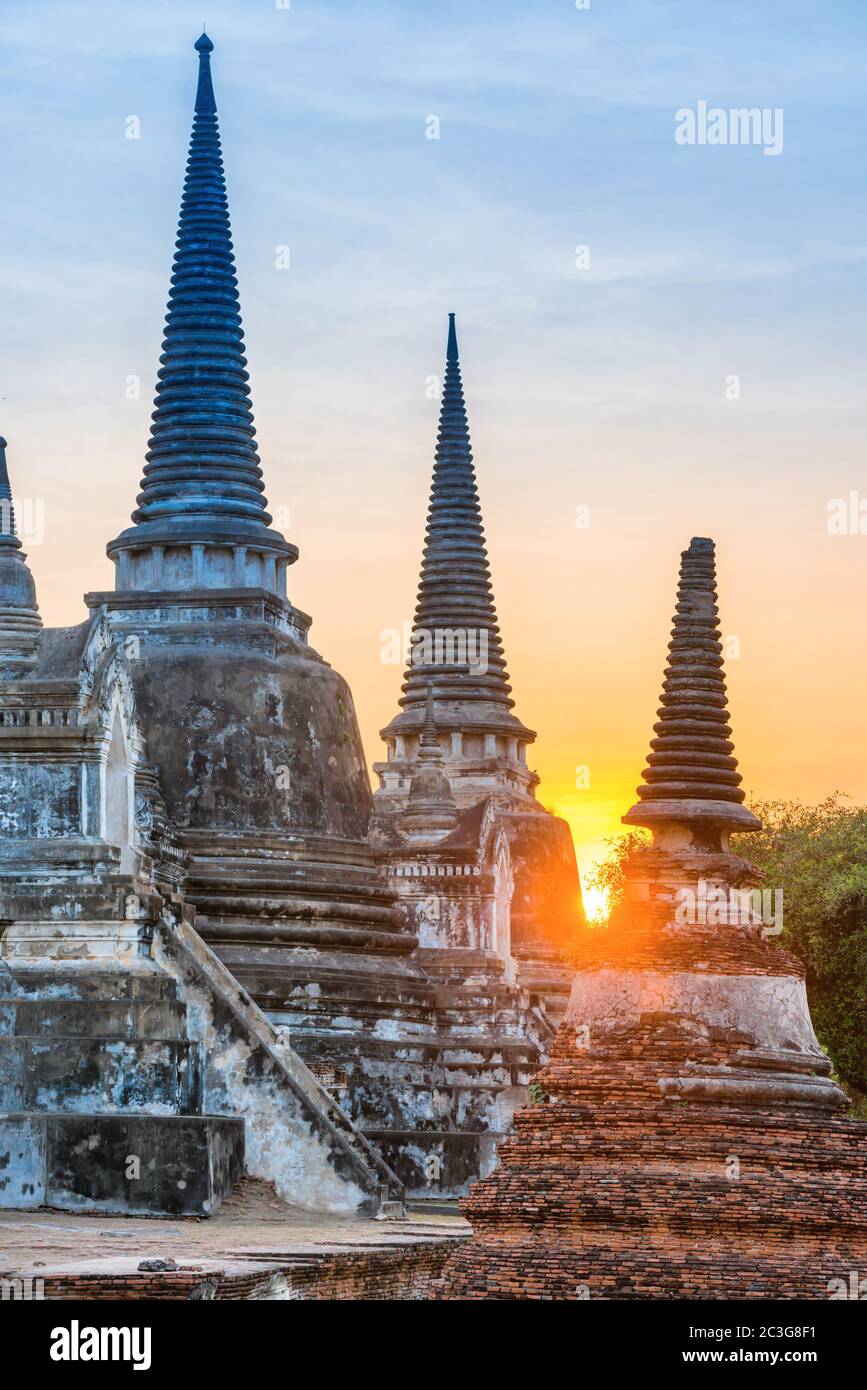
(691, 1143)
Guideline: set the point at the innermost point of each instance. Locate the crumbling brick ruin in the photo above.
(692, 1142)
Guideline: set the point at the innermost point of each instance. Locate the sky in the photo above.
(658, 339)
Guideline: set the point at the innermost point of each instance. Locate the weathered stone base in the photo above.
(101, 1085)
(383, 1274)
(137, 1076)
(184, 1165)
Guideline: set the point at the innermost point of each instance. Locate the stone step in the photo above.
(76, 981)
(483, 1050)
(148, 1165)
(84, 943)
(93, 1018)
(437, 1161)
(96, 1075)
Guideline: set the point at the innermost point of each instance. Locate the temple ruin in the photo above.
(229, 974)
(690, 1141)
(486, 879)
(210, 959)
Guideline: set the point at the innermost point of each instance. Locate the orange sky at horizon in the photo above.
(585, 614)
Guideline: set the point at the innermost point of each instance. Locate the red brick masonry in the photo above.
(611, 1189)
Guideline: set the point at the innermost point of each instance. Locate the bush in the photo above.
(818, 856)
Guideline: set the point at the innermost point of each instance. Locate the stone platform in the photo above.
(255, 1248)
(98, 1068)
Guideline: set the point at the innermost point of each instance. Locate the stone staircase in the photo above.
(101, 1095)
(436, 1104)
(137, 1075)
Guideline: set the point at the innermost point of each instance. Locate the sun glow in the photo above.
(596, 905)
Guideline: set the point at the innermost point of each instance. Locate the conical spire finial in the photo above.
(456, 647)
(205, 100)
(202, 481)
(691, 774)
(8, 532)
(452, 345)
(429, 745)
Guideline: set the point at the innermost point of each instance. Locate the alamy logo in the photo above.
(77, 1343)
(22, 1290)
(740, 125)
(720, 905)
(853, 1287)
(29, 517)
(847, 516)
(439, 646)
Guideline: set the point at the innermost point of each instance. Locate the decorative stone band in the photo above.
(156, 558)
(769, 1012)
(123, 944)
(18, 620)
(764, 1089)
(709, 812)
(216, 613)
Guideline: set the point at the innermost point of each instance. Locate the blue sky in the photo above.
(602, 387)
(556, 129)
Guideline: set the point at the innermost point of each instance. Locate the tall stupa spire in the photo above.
(691, 774)
(202, 482)
(456, 653)
(454, 592)
(457, 730)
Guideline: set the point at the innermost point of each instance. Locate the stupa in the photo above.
(456, 678)
(691, 1141)
(485, 877)
(261, 766)
(190, 911)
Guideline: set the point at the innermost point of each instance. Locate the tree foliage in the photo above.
(817, 855)
(610, 873)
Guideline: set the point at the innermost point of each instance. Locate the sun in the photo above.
(596, 905)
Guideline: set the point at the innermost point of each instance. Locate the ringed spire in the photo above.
(202, 480)
(691, 773)
(455, 615)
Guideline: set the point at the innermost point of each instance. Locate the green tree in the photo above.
(609, 874)
(817, 855)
